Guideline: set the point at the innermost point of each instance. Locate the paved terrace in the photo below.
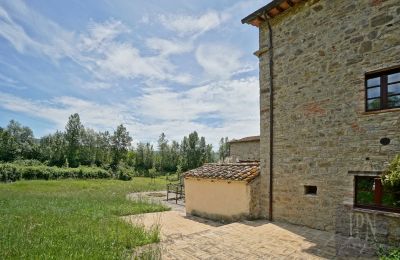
(187, 237)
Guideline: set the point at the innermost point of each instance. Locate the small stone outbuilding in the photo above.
(222, 192)
(245, 149)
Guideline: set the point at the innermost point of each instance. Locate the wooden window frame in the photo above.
(384, 97)
(378, 194)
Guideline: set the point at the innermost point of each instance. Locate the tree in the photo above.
(139, 160)
(148, 156)
(163, 152)
(17, 142)
(73, 133)
(103, 149)
(53, 149)
(120, 142)
(209, 158)
(87, 152)
(173, 156)
(224, 149)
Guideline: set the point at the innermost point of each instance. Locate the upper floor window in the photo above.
(383, 90)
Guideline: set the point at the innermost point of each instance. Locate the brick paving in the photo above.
(184, 237)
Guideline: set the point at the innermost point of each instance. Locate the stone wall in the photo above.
(369, 225)
(322, 50)
(245, 151)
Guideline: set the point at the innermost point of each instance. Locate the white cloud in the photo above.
(58, 110)
(100, 49)
(167, 47)
(234, 103)
(192, 25)
(96, 85)
(220, 61)
(100, 35)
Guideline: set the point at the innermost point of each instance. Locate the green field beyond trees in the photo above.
(76, 219)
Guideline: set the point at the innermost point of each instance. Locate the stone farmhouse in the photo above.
(330, 115)
(329, 109)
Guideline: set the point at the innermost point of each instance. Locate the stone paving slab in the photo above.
(184, 237)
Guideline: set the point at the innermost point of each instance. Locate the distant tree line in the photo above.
(78, 145)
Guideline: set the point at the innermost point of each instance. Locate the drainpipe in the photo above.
(271, 119)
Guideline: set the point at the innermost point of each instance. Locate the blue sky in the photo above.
(155, 66)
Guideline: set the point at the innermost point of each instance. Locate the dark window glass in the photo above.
(395, 77)
(383, 90)
(394, 101)
(374, 82)
(370, 193)
(394, 89)
(374, 92)
(374, 104)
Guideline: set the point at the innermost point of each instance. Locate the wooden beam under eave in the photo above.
(257, 21)
(289, 2)
(284, 6)
(274, 12)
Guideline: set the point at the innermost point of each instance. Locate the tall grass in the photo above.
(77, 219)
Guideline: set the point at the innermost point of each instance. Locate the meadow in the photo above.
(77, 219)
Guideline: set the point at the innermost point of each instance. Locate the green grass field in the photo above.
(76, 219)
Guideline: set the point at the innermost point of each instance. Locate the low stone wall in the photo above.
(369, 225)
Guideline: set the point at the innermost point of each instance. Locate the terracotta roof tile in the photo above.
(228, 171)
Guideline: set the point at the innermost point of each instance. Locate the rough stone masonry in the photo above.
(321, 52)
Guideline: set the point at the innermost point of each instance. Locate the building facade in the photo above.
(245, 149)
(326, 122)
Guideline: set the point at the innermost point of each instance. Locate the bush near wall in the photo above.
(11, 172)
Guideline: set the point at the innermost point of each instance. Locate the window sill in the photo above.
(372, 211)
(310, 195)
(378, 212)
(365, 173)
(380, 111)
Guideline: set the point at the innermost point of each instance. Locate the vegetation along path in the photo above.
(77, 219)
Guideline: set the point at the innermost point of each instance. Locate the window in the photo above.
(370, 194)
(310, 190)
(382, 90)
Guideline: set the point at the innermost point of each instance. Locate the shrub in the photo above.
(389, 253)
(27, 162)
(125, 174)
(11, 172)
(391, 178)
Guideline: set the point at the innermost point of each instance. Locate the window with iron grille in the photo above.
(370, 194)
(382, 90)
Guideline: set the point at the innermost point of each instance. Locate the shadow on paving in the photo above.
(191, 237)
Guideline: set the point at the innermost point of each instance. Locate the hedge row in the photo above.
(10, 172)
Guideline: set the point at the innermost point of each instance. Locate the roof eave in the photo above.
(270, 10)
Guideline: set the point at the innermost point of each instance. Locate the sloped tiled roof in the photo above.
(228, 171)
(246, 139)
